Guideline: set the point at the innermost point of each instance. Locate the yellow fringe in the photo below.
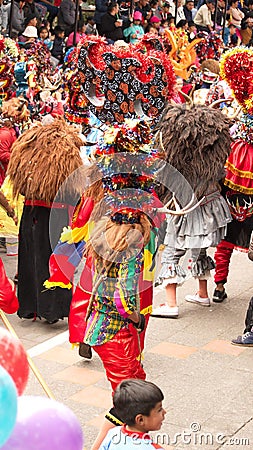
(241, 173)
(54, 284)
(237, 187)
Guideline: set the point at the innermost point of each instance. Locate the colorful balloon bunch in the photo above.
(30, 422)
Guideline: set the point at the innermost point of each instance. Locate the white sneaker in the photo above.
(169, 312)
(198, 300)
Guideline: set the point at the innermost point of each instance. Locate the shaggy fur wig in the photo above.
(113, 242)
(15, 110)
(196, 142)
(42, 158)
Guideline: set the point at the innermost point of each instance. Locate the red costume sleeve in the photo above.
(7, 138)
(8, 299)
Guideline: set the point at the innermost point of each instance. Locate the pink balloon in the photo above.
(44, 424)
(13, 359)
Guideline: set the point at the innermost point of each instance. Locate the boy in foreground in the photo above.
(138, 403)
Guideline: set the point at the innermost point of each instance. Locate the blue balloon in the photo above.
(8, 405)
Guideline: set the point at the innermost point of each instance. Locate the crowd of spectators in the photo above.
(60, 26)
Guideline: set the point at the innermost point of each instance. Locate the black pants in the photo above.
(249, 317)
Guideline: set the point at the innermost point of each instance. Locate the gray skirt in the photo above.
(202, 228)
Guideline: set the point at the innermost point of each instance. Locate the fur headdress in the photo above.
(42, 158)
(196, 142)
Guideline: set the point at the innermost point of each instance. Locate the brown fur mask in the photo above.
(42, 158)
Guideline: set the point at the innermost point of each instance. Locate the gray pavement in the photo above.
(207, 382)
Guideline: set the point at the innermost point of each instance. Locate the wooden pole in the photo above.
(30, 361)
(76, 21)
(11, 17)
(215, 14)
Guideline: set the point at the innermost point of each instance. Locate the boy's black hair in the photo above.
(133, 397)
(57, 30)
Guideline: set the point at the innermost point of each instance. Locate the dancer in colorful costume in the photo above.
(89, 59)
(237, 71)
(196, 142)
(42, 159)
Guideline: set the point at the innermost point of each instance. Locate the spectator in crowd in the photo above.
(30, 34)
(231, 39)
(30, 8)
(59, 44)
(44, 37)
(66, 16)
(236, 15)
(164, 12)
(155, 22)
(151, 29)
(135, 31)
(31, 20)
(3, 17)
(111, 25)
(101, 9)
(192, 31)
(220, 13)
(182, 24)
(203, 18)
(80, 32)
(248, 8)
(154, 5)
(91, 26)
(189, 10)
(164, 26)
(246, 31)
(180, 10)
(52, 9)
(144, 7)
(18, 16)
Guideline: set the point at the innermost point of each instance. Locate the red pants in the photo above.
(119, 357)
(222, 257)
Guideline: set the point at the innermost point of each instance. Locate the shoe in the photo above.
(169, 312)
(245, 340)
(198, 300)
(219, 296)
(15, 279)
(85, 350)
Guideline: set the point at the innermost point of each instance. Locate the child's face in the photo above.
(44, 33)
(192, 29)
(61, 34)
(154, 421)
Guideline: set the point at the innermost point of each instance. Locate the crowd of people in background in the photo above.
(53, 22)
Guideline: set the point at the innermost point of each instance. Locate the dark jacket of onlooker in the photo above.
(101, 9)
(58, 48)
(18, 17)
(66, 16)
(108, 28)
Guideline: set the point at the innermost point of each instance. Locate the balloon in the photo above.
(44, 424)
(14, 359)
(8, 405)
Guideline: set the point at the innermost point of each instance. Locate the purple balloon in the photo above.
(44, 424)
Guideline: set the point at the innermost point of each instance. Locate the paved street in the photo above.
(206, 381)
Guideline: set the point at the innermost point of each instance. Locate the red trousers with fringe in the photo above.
(119, 357)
